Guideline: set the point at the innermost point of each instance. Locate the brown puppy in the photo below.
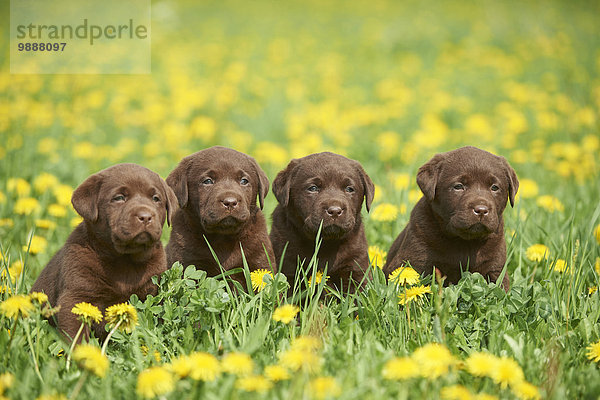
(217, 190)
(323, 187)
(458, 223)
(116, 250)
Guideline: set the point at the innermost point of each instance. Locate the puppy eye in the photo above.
(244, 181)
(349, 189)
(155, 198)
(313, 189)
(459, 186)
(118, 197)
(208, 181)
(495, 188)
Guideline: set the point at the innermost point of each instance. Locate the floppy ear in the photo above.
(513, 181)
(177, 180)
(263, 182)
(368, 187)
(428, 174)
(282, 183)
(171, 201)
(85, 197)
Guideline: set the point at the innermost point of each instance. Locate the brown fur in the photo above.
(317, 188)
(217, 190)
(458, 223)
(116, 250)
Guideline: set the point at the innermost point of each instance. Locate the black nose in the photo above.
(230, 202)
(334, 211)
(144, 217)
(481, 210)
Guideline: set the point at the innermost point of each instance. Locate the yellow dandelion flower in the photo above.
(385, 212)
(318, 278)
(254, 383)
(257, 279)
(44, 181)
(594, 351)
(597, 233)
(377, 256)
(597, 265)
(5, 289)
(75, 221)
(400, 368)
(181, 366)
(285, 313)
(413, 293)
(237, 364)
(401, 181)
(270, 153)
(6, 222)
(592, 289)
(507, 372)
(276, 373)
(6, 380)
(45, 224)
(123, 312)
(550, 203)
(87, 312)
(481, 364)
(39, 297)
(57, 210)
(306, 343)
(324, 387)
(62, 194)
(404, 276)
(37, 245)
(17, 305)
(205, 367)
(14, 271)
(455, 392)
(528, 188)
(537, 252)
(19, 186)
(155, 381)
(297, 359)
(560, 266)
(434, 360)
(91, 358)
(2, 198)
(26, 206)
(526, 391)
(414, 195)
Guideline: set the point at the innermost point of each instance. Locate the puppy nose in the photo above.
(144, 217)
(334, 211)
(230, 202)
(481, 210)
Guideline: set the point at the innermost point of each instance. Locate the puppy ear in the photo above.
(368, 187)
(263, 182)
(85, 197)
(177, 180)
(428, 174)
(513, 181)
(282, 183)
(171, 201)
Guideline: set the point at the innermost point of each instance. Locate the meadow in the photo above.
(387, 83)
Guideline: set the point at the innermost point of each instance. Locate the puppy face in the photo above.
(468, 189)
(127, 205)
(324, 187)
(219, 186)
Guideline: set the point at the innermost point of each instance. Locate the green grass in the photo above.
(386, 83)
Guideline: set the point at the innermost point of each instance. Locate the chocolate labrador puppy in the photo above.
(322, 188)
(458, 223)
(116, 250)
(217, 190)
